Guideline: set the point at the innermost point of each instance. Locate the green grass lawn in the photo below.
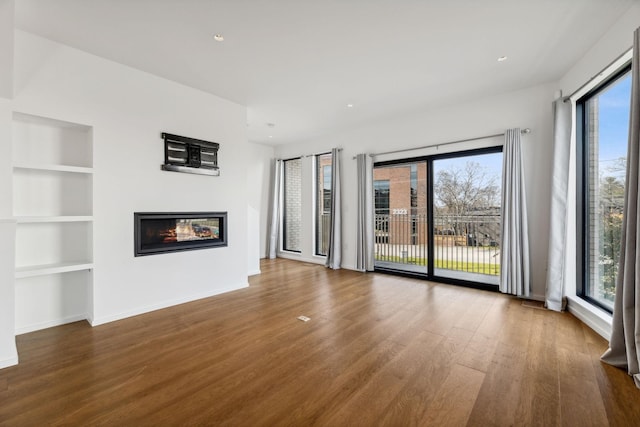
(470, 267)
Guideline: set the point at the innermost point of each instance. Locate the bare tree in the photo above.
(464, 195)
(460, 191)
(617, 165)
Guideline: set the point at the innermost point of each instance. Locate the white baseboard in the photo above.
(112, 318)
(591, 316)
(254, 272)
(297, 257)
(314, 260)
(10, 361)
(49, 324)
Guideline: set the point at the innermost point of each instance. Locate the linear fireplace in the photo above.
(160, 232)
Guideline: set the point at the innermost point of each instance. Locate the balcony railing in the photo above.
(322, 236)
(462, 243)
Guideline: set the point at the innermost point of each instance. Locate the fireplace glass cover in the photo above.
(159, 232)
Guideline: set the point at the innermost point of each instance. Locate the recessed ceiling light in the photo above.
(349, 105)
(218, 37)
(270, 136)
(502, 59)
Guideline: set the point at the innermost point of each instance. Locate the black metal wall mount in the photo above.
(190, 155)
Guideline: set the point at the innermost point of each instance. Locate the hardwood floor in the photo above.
(378, 350)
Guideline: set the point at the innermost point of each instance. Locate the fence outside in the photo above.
(464, 243)
(322, 234)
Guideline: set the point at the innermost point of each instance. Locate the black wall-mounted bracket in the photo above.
(190, 155)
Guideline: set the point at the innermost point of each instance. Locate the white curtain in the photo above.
(554, 293)
(515, 274)
(274, 213)
(334, 251)
(624, 345)
(364, 236)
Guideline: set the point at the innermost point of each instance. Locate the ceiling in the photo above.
(296, 64)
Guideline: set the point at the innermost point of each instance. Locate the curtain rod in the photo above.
(596, 75)
(307, 155)
(526, 130)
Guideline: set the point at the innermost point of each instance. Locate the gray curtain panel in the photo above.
(515, 275)
(274, 211)
(334, 251)
(364, 237)
(554, 293)
(624, 346)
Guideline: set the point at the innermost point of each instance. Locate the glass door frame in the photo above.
(430, 275)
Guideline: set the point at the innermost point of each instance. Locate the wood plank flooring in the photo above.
(378, 350)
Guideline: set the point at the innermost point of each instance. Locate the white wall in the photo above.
(258, 160)
(8, 354)
(526, 108)
(7, 8)
(128, 110)
(6, 188)
(614, 43)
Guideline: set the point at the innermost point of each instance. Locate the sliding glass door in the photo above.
(400, 223)
(439, 216)
(466, 217)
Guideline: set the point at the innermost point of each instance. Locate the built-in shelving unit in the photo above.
(53, 208)
(64, 218)
(45, 269)
(56, 168)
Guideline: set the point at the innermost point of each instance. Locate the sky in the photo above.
(613, 126)
(490, 163)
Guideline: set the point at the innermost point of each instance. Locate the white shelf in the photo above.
(54, 168)
(42, 270)
(64, 218)
(52, 205)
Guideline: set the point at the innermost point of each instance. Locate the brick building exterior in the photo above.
(401, 203)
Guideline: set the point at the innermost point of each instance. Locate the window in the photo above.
(467, 215)
(381, 195)
(602, 135)
(381, 208)
(323, 202)
(414, 203)
(292, 209)
(440, 216)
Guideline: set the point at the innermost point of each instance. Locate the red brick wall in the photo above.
(399, 178)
